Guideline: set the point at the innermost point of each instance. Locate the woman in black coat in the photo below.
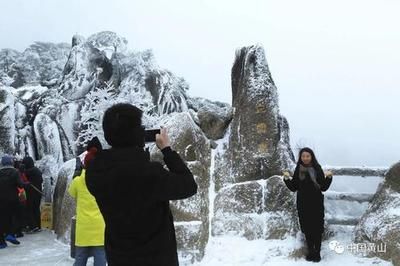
(309, 180)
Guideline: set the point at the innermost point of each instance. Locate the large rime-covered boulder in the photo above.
(191, 239)
(47, 137)
(380, 225)
(256, 209)
(212, 117)
(30, 95)
(190, 214)
(63, 205)
(167, 90)
(50, 168)
(7, 121)
(88, 66)
(66, 117)
(259, 136)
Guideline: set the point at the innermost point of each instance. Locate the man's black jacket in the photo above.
(9, 181)
(133, 195)
(35, 179)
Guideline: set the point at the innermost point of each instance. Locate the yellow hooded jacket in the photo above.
(89, 221)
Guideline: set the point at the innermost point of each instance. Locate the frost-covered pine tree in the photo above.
(96, 102)
(99, 100)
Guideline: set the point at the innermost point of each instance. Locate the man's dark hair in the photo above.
(122, 126)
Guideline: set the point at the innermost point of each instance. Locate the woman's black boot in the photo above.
(311, 250)
(317, 246)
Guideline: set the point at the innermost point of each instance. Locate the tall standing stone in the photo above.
(258, 144)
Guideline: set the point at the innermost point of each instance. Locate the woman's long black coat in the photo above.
(310, 200)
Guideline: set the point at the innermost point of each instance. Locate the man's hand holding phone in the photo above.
(162, 139)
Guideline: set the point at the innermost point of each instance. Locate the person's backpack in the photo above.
(21, 195)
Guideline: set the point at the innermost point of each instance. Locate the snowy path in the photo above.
(42, 249)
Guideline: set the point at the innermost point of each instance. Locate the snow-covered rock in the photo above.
(64, 206)
(49, 168)
(67, 116)
(7, 121)
(262, 209)
(380, 225)
(259, 136)
(212, 117)
(47, 137)
(191, 214)
(168, 91)
(29, 93)
(86, 68)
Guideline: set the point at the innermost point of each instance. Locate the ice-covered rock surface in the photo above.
(258, 145)
(63, 206)
(380, 224)
(7, 122)
(262, 209)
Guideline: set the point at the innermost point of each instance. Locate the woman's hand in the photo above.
(328, 174)
(286, 175)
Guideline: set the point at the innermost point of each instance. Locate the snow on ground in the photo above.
(233, 251)
(42, 249)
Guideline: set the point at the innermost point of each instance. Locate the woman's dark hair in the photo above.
(314, 161)
(122, 126)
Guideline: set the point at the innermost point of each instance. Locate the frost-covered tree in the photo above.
(96, 102)
(99, 100)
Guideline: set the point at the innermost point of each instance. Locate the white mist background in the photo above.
(336, 63)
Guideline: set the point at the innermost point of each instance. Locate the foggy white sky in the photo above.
(336, 63)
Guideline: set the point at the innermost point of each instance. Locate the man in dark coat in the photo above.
(33, 193)
(309, 180)
(133, 193)
(9, 182)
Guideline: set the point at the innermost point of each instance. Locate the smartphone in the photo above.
(150, 135)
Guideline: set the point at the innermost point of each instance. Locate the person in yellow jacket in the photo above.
(90, 226)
